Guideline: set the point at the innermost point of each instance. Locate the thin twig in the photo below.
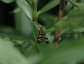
(61, 10)
(60, 16)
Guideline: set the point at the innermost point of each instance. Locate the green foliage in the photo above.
(70, 51)
(25, 7)
(73, 21)
(21, 49)
(49, 6)
(7, 1)
(48, 20)
(9, 54)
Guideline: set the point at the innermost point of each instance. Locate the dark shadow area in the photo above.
(6, 17)
(81, 62)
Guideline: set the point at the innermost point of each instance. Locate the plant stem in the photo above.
(35, 19)
(34, 10)
(35, 39)
(61, 10)
(60, 16)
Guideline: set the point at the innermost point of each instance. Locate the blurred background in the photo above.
(13, 19)
(16, 19)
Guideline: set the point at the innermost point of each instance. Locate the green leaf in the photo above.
(23, 18)
(74, 18)
(25, 24)
(27, 47)
(22, 22)
(7, 1)
(82, 1)
(68, 52)
(25, 6)
(9, 54)
(49, 6)
(70, 5)
(29, 1)
(48, 20)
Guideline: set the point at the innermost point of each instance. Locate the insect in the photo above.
(42, 36)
